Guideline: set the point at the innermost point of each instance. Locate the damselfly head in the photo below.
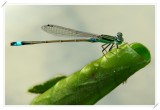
(119, 38)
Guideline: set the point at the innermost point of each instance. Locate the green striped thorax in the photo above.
(109, 39)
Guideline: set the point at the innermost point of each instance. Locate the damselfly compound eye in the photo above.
(119, 36)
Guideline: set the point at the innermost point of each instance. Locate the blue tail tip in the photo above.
(18, 43)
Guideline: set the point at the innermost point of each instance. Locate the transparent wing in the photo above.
(62, 31)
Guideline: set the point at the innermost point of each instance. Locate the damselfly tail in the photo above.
(20, 43)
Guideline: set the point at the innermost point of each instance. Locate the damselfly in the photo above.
(62, 31)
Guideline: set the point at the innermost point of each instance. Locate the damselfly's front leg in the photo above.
(116, 46)
(119, 47)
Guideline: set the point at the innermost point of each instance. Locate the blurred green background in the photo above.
(26, 66)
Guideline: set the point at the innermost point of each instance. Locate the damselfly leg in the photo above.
(104, 48)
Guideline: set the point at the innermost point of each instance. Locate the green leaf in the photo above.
(46, 85)
(98, 78)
